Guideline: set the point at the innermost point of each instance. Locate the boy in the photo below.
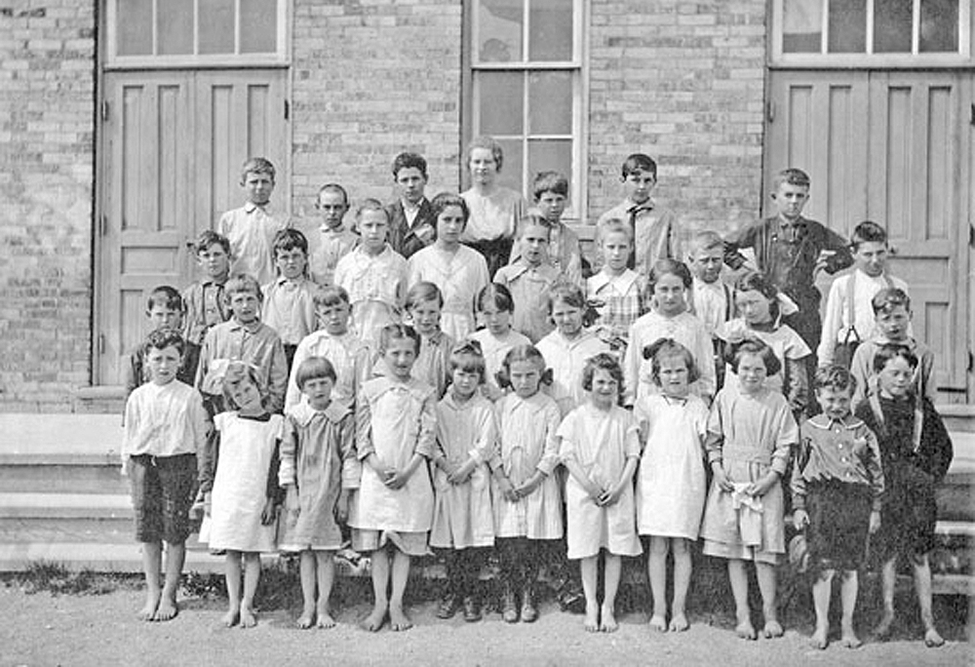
(336, 240)
(616, 290)
(892, 321)
(251, 228)
(412, 225)
(837, 490)
(164, 309)
(849, 317)
(790, 250)
(712, 300)
(655, 233)
(551, 191)
(530, 277)
(165, 427)
(374, 275)
(349, 356)
(205, 305)
(242, 338)
(288, 305)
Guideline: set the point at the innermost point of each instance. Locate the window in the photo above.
(187, 33)
(868, 32)
(526, 88)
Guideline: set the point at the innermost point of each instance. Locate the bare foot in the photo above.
(679, 623)
(850, 640)
(248, 619)
(167, 609)
(772, 629)
(658, 623)
(306, 620)
(325, 620)
(819, 639)
(608, 622)
(882, 631)
(232, 617)
(591, 624)
(398, 620)
(148, 613)
(374, 621)
(932, 639)
(745, 630)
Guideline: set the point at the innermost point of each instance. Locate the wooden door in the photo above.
(172, 144)
(888, 146)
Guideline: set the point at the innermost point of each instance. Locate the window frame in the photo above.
(577, 66)
(867, 59)
(281, 57)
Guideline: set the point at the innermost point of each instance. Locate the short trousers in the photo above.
(909, 515)
(839, 521)
(163, 488)
(412, 544)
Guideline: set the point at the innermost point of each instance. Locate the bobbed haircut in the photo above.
(886, 353)
(519, 353)
(668, 348)
(422, 292)
(835, 377)
(756, 281)
(468, 357)
(160, 339)
(409, 160)
(603, 362)
(867, 232)
(209, 238)
(332, 187)
(567, 293)
(237, 372)
(791, 176)
(167, 297)
(497, 294)
(639, 162)
(289, 239)
(314, 368)
(330, 295)
(663, 267)
(445, 199)
(395, 331)
(242, 282)
(757, 347)
(487, 143)
(257, 165)
(888, 299)
(550, 181)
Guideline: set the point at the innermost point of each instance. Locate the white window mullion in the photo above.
(526, 128)
(155, 27)
(916, 27)
(237, 27)
(824, 42)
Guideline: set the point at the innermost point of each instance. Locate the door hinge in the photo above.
(104, 111)
(971, 361)
(770, 111)
(101, 343)
(103, 225)
(287, 110)
(971, 117)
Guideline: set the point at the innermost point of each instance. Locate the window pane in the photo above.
(501, 102)
(550, 155)
(499, 31)
(802, 26)
(550, 103)
(550, 30)
(216, 26)
(175, 27)
(510, 175)
(892, 26)
(939, 25)
(847, 26)
(258, 26)
(134, 23)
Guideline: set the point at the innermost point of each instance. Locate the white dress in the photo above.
(567, 359)
(247, 447)
(600, 442)
(495, 350)
(671, 484)
(462, 513)
(377, 286)
(460, 276)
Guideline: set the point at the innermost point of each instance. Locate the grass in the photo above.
(55, 578)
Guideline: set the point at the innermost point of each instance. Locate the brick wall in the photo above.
(371, 79)
(46, 170)
(683, 82)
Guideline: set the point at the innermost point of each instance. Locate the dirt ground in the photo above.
(43, 629)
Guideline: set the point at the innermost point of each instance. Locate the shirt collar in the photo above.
(303, 413)
(250, 207)
(824, 422)
(249, 328)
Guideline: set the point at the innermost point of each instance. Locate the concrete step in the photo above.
(65, 506)
(95, 556)
(80, 474)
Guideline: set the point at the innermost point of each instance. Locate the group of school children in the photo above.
(295, 391)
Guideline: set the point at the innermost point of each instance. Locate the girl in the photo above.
(759, 307)
(751, 433)
(424, 303)
(915, 451)
(458, 271)
(600, 446)
(527, 507)
(318, 472)
(495, 306)
(672, 485)
(463, 522)
(395, 434)
(568, 347)
(667, 287)
(242, 494)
